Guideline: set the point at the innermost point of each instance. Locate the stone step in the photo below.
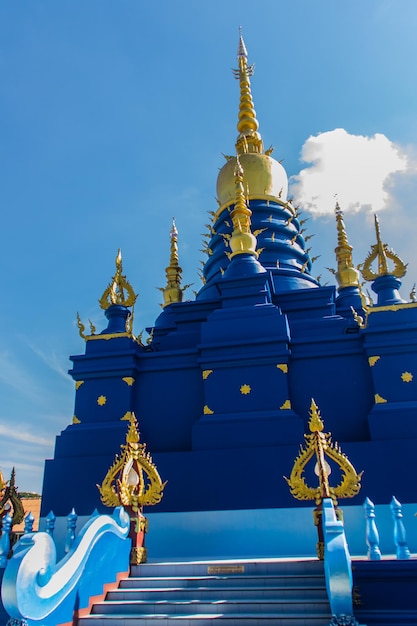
(218, 619)
(236, 593)
(313, 581)
(260, 607)
(229, 568)
(156, 594)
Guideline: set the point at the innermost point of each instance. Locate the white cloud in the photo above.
(359, 170)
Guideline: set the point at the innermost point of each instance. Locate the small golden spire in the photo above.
(242, 240)
(249, 140)
(347, 275)
(119, 290)
(173, 290)
(382, 253)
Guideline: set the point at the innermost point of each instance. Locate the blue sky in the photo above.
(113, 118)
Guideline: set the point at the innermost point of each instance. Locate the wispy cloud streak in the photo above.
(17, 434)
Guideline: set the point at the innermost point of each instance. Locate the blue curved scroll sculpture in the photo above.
(45, 593)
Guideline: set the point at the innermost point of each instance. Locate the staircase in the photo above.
(236, 593)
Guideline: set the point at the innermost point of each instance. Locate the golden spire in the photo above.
(242, 240)
(119, 291)
(382, 253)
(249, 140)
(173, 290)
(346, 274)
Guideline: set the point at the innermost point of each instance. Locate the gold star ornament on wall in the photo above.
(407, 377)
(245, 389)
(101, 400)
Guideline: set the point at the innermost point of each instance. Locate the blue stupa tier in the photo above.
(281, 248)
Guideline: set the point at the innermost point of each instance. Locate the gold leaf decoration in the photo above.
(319, 444)
(133, 480)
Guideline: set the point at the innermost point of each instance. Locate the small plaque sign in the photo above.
(226, 569)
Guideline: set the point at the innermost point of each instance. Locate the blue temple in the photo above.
(223, 385)
(223, 390)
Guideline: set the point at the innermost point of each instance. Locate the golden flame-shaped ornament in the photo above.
(9, 497)
(320, 445)
(382, 253)
(133, 480)
(119, 291)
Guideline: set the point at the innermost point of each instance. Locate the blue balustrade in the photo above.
(372, 535)
(71, 524)
(50, 520)
(28, 525)
(5, 539)
(400, 537)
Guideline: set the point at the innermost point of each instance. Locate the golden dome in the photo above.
(263, 178)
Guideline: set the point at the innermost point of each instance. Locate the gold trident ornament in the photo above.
(320, 445)
(134, 482)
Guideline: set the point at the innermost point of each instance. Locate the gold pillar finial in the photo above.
(133, 480)
(382, 257)
(347, 275)
(242, 240)
(173, 291)
(119, 290)
(249, 140)
(382, 254)
(319, 444)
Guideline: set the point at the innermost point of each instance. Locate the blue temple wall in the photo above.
(224, 440)
(256, 533)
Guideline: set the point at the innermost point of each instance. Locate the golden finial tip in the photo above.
(119, 291)
(315, 423)
(174, 231)
(241, 51)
